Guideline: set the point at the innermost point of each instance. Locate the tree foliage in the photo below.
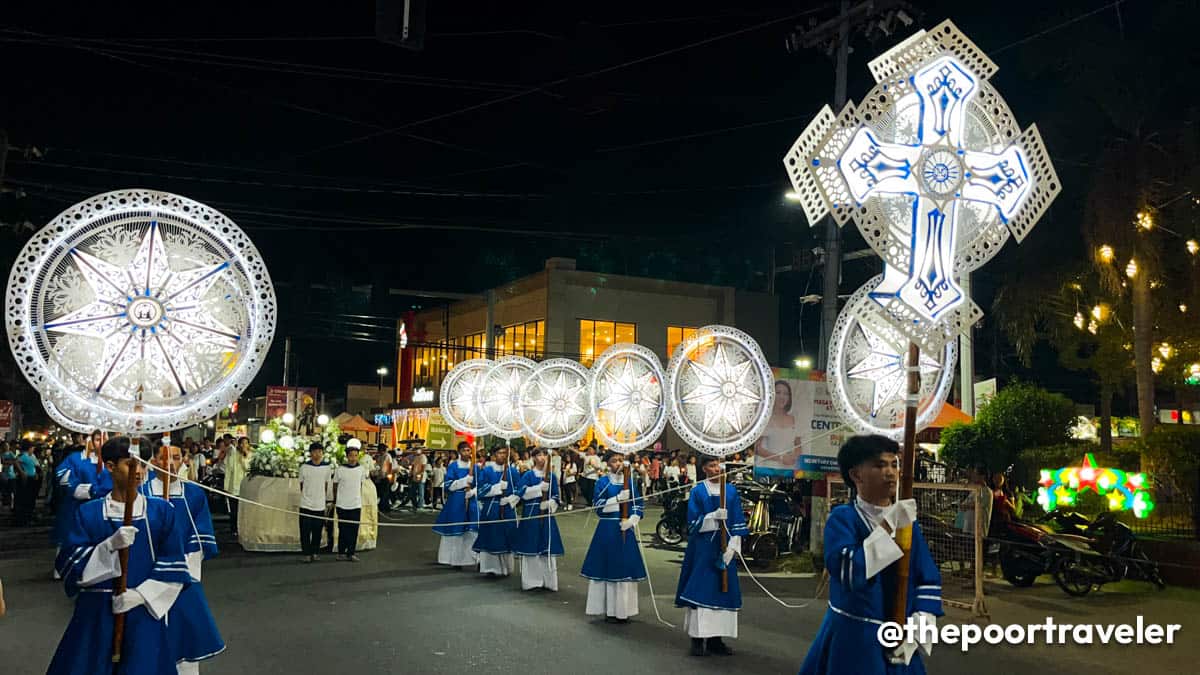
(1019, 416)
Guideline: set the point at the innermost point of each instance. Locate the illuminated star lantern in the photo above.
(459, 400)
(139, 310)
(884, 367)
(721, 390)
(936, 174)
(500, 395)
(1124, 491)
(627, 398)
(553, 403)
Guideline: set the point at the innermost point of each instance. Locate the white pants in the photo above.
(706, 623)
(612, 598)
(188, 668)
(490, 563)
(539, 571)
(456, 551)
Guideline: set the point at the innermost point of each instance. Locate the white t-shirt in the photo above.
(349, 481)
(315, 483)
(591, 466)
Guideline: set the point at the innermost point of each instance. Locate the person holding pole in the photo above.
(613, 565)
(155, 572)
(862, 557)
(497, 518)
(458, 521)
(190, 623)
(538, 542)
(708, 588)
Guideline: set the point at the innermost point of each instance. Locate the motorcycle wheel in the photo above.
(667, 533)
(1014, 571)
(763, 549)
(1070, 577)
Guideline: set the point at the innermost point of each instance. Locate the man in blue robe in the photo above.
(80, 477)
(497, 516)
(708, 613)
(458, 522)
(538, 542)
(190, 623)
(860, 556)
(613, 565)
(89, 562)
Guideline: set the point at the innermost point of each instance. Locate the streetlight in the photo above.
(381, 372)
(322, 419)
(803, 362)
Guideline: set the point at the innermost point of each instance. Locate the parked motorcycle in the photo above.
(1028, 551)
(672, 527)
(1113, 554)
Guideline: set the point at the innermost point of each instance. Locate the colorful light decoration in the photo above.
(1125, 491)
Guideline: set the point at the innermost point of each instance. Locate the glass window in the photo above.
(597, 336)
(677, 334)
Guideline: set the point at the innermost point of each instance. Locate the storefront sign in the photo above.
(441, 435)
(422, 395)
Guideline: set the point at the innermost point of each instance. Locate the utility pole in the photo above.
(287, 358)
(874, 18)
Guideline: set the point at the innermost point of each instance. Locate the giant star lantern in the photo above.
(936, 174)
(721, 390)
(139, 311)
(553, 403)
(459, 399)
(884, 368)
(499, 395)
(628, 398)
(1124, 491)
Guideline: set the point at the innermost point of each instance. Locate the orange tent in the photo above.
(949, 415)
(357, 424)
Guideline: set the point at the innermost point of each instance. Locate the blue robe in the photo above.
(847, 642)
(190, 623)
(538, 536)
(457, 509)
(78, 470)
(157, 553)
(497, 524)
(613, 555)
(700, 576)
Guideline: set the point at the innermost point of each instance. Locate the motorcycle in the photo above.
(1028, 551)
(672, 527)
(1112, 554)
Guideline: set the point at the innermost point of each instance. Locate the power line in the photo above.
(701, 134)
(559, 81)
(1051, 29)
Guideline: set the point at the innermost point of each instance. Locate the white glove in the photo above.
(728, 556)
(718, 514)
(126, 601)
(471, 493)
(533, 492)
(549, 505)
(83, 491)
(503, 485)
(122, 538)
(630, 522)
(903, 653)
(901, 514)
(512, 500)
(470, 479)
(732, 548)
(623, 496)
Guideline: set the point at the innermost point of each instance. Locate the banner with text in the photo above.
(803, 434)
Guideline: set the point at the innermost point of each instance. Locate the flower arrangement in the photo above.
(280, 451)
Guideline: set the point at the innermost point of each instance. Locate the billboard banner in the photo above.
(6, 417)
(300, 401)
(803, 433)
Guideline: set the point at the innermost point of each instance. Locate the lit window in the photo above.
(677, 334)
(597, 336)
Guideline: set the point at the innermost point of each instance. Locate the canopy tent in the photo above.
(359, 428)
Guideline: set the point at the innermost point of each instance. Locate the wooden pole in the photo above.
(625, 471)
(120, 586)
(907, 470)
(724, 535)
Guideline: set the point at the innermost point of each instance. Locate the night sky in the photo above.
(642, 138)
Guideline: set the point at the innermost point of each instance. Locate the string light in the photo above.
(1182, 308)
(1131, 269)
(1145, 221)
(1101, 312)
(1079, 320)
(1166, 350)
(1092, 327)
(1193, 246)
(1106, 253)
(1156, 364)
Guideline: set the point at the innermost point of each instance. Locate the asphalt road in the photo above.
(399, 612)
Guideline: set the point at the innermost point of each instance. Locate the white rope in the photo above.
(653, 600)
(588, 509)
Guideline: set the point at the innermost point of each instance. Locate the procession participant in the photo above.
(316, 483)
(89, 562)
(614, 565)
(497, 524)
(81, 477)
(709, 613)
(460, 507)
(860, 554)
(347, 498)
(190, 623)
(538, 541)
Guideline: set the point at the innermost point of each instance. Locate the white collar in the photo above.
(115, 510)
(873, 514)
(618, 477)
(714, 488)
(493, 465)
(463, 464)
(156, 487)
(538, 472)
